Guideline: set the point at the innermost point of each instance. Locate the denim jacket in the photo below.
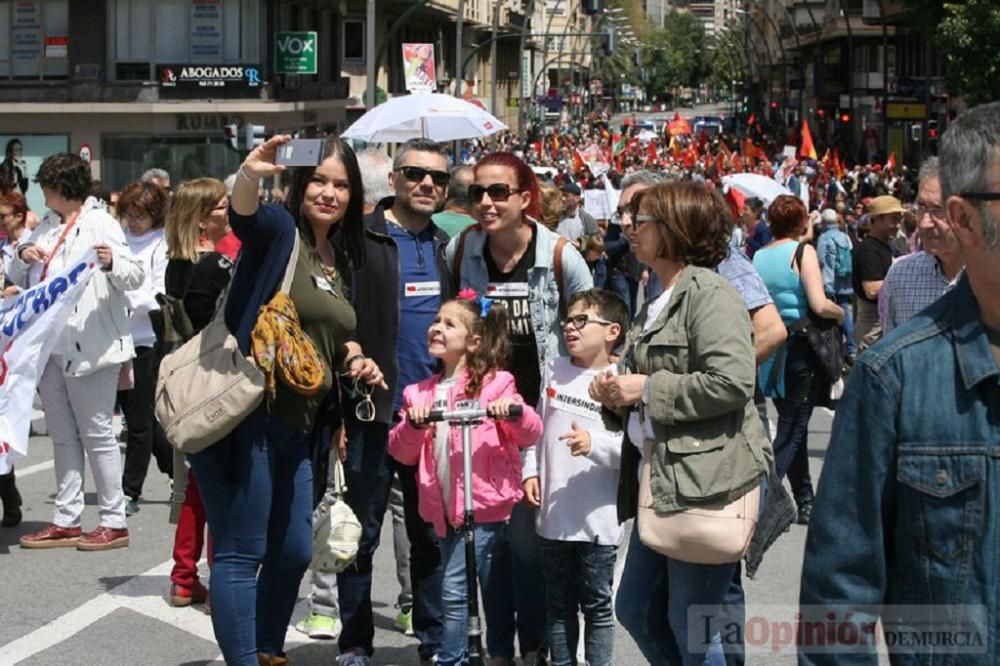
(543, 299)
(908, 509)
(826, 249)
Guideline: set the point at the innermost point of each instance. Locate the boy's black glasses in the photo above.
(579, 321)
(417, 175)
(497, 192)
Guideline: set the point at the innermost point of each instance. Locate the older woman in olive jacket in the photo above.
(686, 385)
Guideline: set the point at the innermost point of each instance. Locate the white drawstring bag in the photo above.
(336, 530)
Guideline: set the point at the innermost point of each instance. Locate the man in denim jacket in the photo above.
(908, 512)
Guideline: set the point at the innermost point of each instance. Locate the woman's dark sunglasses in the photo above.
(417, 175)
(497, 192)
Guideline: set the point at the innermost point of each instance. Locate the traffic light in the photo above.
(232, 136)
(254, 136)
(591, 7)
(609, 40)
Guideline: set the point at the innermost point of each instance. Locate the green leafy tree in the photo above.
(963, 32)
(676, 55)
(725, 62)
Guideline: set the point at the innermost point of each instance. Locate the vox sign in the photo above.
(296, 53)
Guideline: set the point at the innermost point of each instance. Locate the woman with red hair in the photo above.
(793, 278)
(512, 258)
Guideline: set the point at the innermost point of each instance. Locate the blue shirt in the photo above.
(419, 302)
(908, 509)
(912, 283)
(740, 273)
(775, 267)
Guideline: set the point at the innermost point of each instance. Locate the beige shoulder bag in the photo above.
(207, 386)
(707, 534)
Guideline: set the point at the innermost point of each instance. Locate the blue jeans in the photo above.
(369, 471)
(578, 577)
(652, 604)
(258, 499)
(454, 595)
(844, 301)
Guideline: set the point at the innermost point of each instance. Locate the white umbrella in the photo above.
(755, 185)
(430, 116)
(645, 136)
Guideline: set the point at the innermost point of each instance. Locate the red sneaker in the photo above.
(181, 595)
(52, 536)
(103, 538)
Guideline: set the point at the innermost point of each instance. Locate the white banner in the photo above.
(30, 324)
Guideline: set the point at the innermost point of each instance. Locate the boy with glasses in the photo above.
(571, 476)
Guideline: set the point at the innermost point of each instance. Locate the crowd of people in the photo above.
(639, 336)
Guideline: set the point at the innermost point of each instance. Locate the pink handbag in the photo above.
(707, 534)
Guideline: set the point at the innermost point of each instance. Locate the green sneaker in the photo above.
(320, 627)
(404, 621)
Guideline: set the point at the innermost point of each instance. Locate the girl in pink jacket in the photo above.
(469, 336)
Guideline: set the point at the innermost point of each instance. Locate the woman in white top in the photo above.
(142, 211)
(79, 381)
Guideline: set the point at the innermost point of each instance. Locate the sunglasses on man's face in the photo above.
(417, 175)
(497, 192)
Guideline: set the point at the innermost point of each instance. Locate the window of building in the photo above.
(353, 40)
(34, 40)
(147, 33)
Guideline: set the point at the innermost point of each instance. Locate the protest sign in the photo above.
(30, 324)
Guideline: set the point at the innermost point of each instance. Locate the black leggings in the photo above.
(145, 436)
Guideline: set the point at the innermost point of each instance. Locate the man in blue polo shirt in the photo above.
(396, 295)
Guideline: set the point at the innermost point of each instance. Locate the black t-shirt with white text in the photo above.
(512, 290)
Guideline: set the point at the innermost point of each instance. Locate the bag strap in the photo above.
(70, 223)
(797, 257)
(557, 271)
(339, 482)
(456, 269)
(293, 259)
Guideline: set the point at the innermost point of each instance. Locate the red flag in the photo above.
(807, 149)
(737, 200)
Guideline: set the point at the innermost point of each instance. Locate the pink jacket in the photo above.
(496, 462)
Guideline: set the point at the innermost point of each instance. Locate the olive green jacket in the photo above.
(709, 443)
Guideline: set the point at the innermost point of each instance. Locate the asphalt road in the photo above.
(64, 607)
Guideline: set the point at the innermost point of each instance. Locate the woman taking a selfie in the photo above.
(257, 484)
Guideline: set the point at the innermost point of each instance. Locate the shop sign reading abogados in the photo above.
(209, 79)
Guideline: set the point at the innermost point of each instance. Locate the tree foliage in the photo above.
(675, 55)
(726, 61)
(965, 33)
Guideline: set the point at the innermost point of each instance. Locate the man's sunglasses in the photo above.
(417, 175)
(497, 192)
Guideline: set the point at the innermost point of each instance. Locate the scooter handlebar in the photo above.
(471, 414)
